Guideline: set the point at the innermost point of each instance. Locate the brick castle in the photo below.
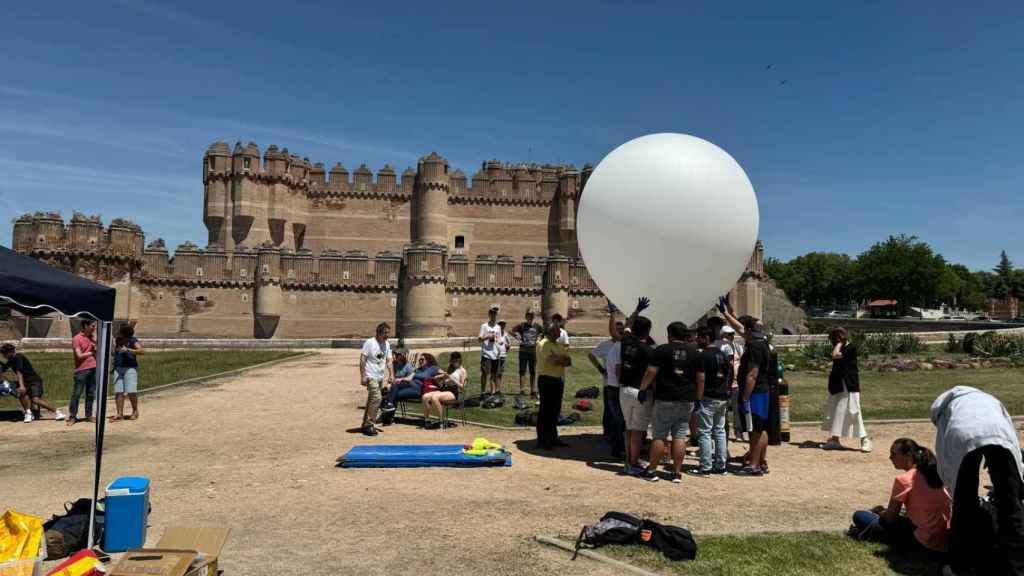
(297, 251)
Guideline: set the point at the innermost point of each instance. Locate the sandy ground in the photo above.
(256, 453)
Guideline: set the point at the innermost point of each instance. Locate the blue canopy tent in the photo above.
(34, 288)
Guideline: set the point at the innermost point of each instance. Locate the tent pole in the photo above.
(102, 374)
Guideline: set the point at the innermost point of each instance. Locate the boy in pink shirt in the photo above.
(84, 347)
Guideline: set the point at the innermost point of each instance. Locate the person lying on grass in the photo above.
(920, 491)
(445, 388)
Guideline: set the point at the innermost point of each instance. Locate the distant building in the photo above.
(298, 251)
(882, 308)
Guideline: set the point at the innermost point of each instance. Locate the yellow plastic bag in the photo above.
(481, 447)
(20, 535)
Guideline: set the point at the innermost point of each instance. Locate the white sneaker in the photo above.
(28, 417)
(59, 416)
(865, 445)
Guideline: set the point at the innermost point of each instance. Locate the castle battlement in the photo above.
(46, 232)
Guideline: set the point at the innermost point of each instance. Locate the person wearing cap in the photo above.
(490, 333)
(726, 343)
(528, 333)
(754, 393)
(504, 343)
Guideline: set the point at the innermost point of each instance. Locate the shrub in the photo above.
(817, 351)
(993, 344)
(954, 346)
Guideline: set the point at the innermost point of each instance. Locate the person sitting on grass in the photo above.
(410, 387)
(446, 388)
(920, 491)
(29, 385)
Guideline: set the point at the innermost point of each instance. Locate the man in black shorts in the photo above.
(528, 333)
(29, 385)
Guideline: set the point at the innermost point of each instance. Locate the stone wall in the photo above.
(781, 314)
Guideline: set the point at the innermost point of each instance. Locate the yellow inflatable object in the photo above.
(20, 535)
(482, 447)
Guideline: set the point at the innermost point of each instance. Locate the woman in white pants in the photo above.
(843, 418)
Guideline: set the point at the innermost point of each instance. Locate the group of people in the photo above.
(934, 506)
(389, 377)
(683, 389)
(28, 383)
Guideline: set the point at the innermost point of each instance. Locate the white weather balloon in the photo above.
(671, 217)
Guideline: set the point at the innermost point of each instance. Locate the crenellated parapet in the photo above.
(45, 234)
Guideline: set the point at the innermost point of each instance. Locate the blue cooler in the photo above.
(126, 512)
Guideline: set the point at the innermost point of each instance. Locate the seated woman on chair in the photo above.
(920, 492)
(445, 389)
(410, 387)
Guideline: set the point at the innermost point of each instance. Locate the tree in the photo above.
(1004, 272)
(902, 268)
(814, 279)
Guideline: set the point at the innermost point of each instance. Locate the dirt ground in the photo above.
(257, 453)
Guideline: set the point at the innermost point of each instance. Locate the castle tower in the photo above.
(423, 308)
(747, 296)
(217, 194)
(566, 218)
(269, 301)
(429, 204)
(556, 286)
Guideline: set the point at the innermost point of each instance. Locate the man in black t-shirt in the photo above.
(678, 368)
(754, 376)
(29, 384)
(714, 451)
(528, 333)
(634, 357)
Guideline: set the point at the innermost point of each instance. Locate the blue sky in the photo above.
(895, 117)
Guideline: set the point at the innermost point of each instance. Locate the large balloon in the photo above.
(671, 217)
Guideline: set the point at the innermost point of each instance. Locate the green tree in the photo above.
(902, 268)
(973, 292)
(814, 279)
(1004, 277)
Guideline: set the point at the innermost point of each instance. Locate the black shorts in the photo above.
(34, 388)
(528, 361)
(489, 365)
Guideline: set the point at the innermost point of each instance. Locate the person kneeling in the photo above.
(446, 388)
(920, 491)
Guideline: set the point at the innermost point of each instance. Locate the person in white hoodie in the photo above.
(971, 425)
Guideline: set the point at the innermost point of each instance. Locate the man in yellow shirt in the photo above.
(552, 360)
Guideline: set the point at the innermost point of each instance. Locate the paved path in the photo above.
(256, 453)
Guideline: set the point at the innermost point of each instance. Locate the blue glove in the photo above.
(612, 308)
(745, 407)
(641, 396)
(723, 301)
(643, 303)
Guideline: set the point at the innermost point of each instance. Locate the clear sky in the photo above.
(854, 120)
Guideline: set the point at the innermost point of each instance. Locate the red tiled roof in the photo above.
(881, 303)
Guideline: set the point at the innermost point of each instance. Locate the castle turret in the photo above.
(318, 174)
(567, 191)
(423, 310)
(408, 181)
(362, 179)
(556, 286)
(216, 193)
(429, 205)
(386, 180)
(155, 260)
(269, 300)
(339, 176)
(24, 233)
(85, 233)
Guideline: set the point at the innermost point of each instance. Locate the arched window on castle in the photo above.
(247, 165)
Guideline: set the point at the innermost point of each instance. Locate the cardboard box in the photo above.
(154, 562)
(207, 541)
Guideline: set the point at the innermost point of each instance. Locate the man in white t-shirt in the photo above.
(605, 357)
(375, 370)
(490, 333)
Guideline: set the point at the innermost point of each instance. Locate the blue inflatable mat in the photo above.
(418, 456)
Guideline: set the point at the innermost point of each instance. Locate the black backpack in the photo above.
(526, 418)
(68, 533)
(674, 542)
(612, 528)
(588, 392)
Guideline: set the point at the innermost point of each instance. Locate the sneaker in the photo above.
(866, 446)
(677, 478)
(749, 471)
(704, 473)
(28, 417)
(719, 471)
(649, 475)
(832, 445)
(369, 431)
(58, 416)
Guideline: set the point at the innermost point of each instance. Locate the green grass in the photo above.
(155, 368)
(778, 554)
(884, 395)
(904, 394)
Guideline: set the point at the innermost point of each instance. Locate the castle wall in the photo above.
(331, 314)
(372, 224)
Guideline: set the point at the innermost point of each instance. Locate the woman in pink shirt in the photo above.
(920, 492)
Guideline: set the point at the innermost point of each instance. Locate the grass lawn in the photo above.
(883, 394)
(155, 368)
(778, 554)
(904, 394)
